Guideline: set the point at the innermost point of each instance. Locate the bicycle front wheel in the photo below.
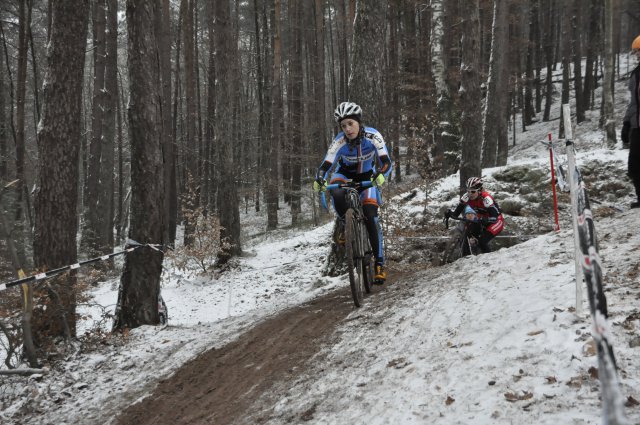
(368, 260)
(354, 257)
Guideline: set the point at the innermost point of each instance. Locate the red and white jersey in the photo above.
(485, 206)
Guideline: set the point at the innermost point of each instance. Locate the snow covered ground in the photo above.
(484, 340)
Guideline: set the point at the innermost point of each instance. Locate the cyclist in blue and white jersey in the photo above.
(358, 153)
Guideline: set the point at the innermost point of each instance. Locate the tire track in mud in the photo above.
(225, 385)
(221, 384)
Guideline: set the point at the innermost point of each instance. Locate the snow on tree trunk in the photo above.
(438, 66)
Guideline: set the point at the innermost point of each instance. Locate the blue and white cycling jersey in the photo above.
(361, 159)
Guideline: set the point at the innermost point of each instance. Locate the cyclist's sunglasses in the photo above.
(473, 190)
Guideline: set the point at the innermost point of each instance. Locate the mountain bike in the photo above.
(358, 253)
(466, 235)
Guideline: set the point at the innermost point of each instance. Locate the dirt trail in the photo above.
(221, 384)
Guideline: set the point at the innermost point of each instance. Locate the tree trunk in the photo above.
(296, 81)
(262, 125)
(394, 107)
(198, 100)
(495, 110)
(577, 58)
(593, 36)
(319, 77)
(345, 53)
(93, 210)
(109, 130)
(4, 140)
(26, 291)
(36, 83)
(168, 151)
(528, 110)
(226, 101)
(174, 168)
(470, 96)
(190, 203)
(140, 281)
(366, 85)
(24, 22)
(276, 118)
(59, 140)
(10, 90)
(607, 83)
(446, 140)
(120, 214)
(210, 175)
(566, 62)
(548, 40)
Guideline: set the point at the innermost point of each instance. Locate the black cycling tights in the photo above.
(484, 241)
(370, 214)
(634, 159)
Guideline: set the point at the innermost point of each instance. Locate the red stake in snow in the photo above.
(553, 187)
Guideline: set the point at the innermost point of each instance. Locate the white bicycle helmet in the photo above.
(474, 183)
(348, 110)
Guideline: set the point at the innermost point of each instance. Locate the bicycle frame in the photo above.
(352, 196)
(359, 255)
(467, 242)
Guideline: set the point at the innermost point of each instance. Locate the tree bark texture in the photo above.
(550, 13)
(168, 150)
(94, 211)
(140, 281)
(366, 84)
(276, 114)
(59, 140)
(609, 118)
(470, 96)
(566, 62)
(296, 80)
(4, 140)
(226, 51)
(593, 35)
(576, 30)
(109, 129)
(190, 143)
(24, 22)
(529, 110)
(495, 113)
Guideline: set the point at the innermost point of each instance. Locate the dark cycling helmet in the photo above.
(348, 110)
(474, 183)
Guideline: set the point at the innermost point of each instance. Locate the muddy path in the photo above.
(221, 384)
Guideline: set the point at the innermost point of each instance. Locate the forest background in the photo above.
(137, 119)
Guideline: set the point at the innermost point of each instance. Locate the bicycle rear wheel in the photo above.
(454, 248)
(354, 257)
(474, 247)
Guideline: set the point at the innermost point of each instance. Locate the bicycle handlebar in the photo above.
(350, 183)
(490, 220)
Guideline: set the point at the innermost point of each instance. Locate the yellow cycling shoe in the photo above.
(380, 276)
